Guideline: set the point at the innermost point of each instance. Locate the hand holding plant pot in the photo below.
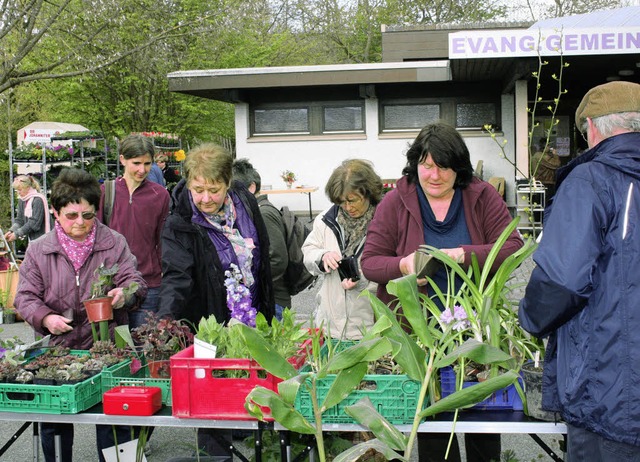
(100, 306)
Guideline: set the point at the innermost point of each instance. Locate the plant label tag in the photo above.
(126, 453)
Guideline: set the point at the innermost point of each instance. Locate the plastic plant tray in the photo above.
(394, 396)
(504, 399)
(52, 399)
(200, 392)
(121, 375)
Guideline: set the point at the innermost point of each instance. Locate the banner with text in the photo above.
(543, 42)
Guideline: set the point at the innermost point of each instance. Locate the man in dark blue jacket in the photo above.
(585, 290)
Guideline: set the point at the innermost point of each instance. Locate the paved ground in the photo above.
(171, 442)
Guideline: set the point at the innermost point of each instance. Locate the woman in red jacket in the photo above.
(438, 202)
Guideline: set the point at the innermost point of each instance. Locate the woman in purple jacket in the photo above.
(56, 276)
(438, 202)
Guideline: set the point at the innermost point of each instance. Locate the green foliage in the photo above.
(102, 279)
(433, 344)
(281, 337)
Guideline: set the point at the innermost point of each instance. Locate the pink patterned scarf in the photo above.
(77, 251)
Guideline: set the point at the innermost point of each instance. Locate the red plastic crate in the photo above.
(197, 394)
(504, 399)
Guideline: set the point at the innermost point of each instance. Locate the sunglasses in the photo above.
(75, 215)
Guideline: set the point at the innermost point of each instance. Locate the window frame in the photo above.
(315, 117)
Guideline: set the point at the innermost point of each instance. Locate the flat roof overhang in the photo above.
(228, 84)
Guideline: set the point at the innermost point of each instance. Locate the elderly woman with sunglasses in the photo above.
(56, 276)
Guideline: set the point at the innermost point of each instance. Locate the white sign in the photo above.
(543, 42)
(39, 135)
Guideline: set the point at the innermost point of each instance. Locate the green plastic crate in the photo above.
(395, 397)
(52, 399)
(121, 375)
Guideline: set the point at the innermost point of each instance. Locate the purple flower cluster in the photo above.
(239, 297)
(457, 316)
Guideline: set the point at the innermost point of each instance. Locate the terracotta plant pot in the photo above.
(99, 309)
(159, 369)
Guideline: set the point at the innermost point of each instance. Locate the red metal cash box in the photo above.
(132, 401)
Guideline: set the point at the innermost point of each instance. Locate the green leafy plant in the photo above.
(431, 345)
(485, 298)
(284, 336)
(102, 279)
(159, 339)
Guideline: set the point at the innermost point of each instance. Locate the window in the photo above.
(409, 116)
(285, 120)
(341, 119)
(464, 107)
(475, 115)
(307, 118)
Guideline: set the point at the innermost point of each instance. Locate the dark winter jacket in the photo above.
(49, 284)
(278, 252)
(396, 230)
(585, 291)
(193, 270)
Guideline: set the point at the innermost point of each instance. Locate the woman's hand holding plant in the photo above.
(457, 254)
(407, 266)
(118, 298)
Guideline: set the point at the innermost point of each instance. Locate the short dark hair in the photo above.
(354, 175)
(447, 149)
(137, 145)
(245, 173)
(73, 185)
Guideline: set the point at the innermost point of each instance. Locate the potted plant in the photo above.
(8, 315)
(288, 177)
(480, 334)
(159, 340)
(99, 308)
(532, 375)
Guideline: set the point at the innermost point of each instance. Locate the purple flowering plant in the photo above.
(239, 297)
(455, 317)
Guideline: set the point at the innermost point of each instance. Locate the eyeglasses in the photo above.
(85, 215)
(584, 136)
(352, 202)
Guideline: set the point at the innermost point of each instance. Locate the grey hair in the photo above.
(609, 124)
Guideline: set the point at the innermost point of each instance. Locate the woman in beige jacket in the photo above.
(333, 248)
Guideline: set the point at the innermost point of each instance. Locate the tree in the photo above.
(42, 40)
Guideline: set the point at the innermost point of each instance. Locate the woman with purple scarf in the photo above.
(56, 276)
(214, 246)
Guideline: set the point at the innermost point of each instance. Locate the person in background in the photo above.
(333, 249)
(438, 201)
(155, 172)
(215, 231)
(32, 220)
(584, 289)
(140, 209)
(171, 178)
(544, 164)
(245, 173)
(56, 275)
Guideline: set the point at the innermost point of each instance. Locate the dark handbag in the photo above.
(348, 268)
